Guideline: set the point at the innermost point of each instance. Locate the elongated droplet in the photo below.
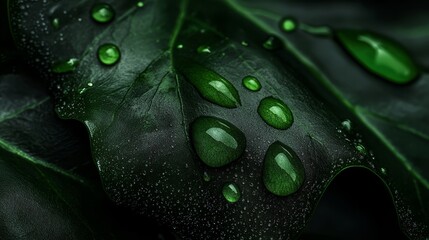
(56, 23)
(109, 54)
(275, 113)
(283, 172)
(271, 43)
(231, 192)
(216, 141)
(252, 83)
(212, 86)
(102, 13)
(204, 49)
(288, 24)
(65, 66)
(379, 55)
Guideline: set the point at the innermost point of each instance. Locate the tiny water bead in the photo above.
(140, 4)
(361, 149)
(206, 177)
(109, 54)
(203, 49)
(271, 43)
(379, 55)
(252, 83)
(283, 172)
(216, 141)
(347, 125)
(275, 113)
(288, 24)
(211, 86)
(102, 13)
(65, 66)
(55, 23)
(231, 192)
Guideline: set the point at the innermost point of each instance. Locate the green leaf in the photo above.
(139, 112)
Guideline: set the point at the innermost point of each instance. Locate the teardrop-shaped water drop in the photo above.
(102, 13)
(65, 66)
(379, 55)
(231, 192)
(283, 172)
(288, 24)
(252, 83)
(212, 86)
(275, 113)
(216, 141)
(109, 54)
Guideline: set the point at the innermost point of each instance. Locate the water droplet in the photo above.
(65, 66)
(383, 171)
(102, 13)
(244, 43)
(283, 172)
(361, 149)
(271, 43)
(216, 141)
(140, 4)
(288, 24)
(231, 192)
(206, 177)
(90, 84)
(212, 86)
(275, 113)
(347, 125)
(180, 46)
(251, 83)
(109, 54)
(55, 23)
(379, 55)
(203, 49)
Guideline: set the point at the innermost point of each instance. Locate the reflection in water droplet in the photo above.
(109, 54)
(216, 141)
(251, 83)
(275, 113)
(102, 13)
(379, 55)
(283, 171)
(65, 66)
(211, 85)
(231, 192)
(288, 24)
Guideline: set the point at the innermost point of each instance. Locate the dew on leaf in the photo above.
(102, 13)
(271, 43)
(216, 141)
(55, 23)
(231, 192)
(252, 83)
(288, 24)
(109, 54)
(283, 172)
(347, 125)
(65, 66)
(379, 55)
(275, 113)
(361, 149)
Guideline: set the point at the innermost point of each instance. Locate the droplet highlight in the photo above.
(275, 113)
(379, 55)
(102, 13)
(216, 141)
(252, 83)
(204, 49)
(231, 192)
(283, 172)
(65, 66)
(109, 54)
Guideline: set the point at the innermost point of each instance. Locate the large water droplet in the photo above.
(102, 13)
(288, 24)
(252, 83)
(379, 55)
(212, 86)
(275, 113)
(216, 141)
(65, 66)
(231, 192)
(109, 54)
(283, 172)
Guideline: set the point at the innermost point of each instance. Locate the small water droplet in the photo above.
(347, 125)
(90, 84)
(288, 24)
(203, 49)
(379, 55)
(361, 149)
(206, 177)
(211, 85)
(56, 23)
(251, 83)
(140, 4)
(275, 113)
(109, 54)
(65, 66)
(383, 171)
(102, 13)
(180, 46)
(231, 192)
(283, 172)
(216, 141)
(244, 43)
(271, 43)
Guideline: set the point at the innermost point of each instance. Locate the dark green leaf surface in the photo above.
(139, 112)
